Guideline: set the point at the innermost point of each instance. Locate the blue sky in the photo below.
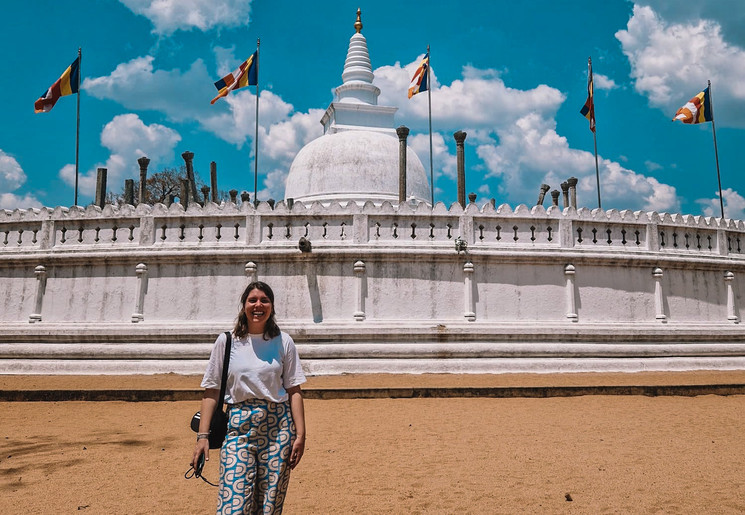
(511, 74)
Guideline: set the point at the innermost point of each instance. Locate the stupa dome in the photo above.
(357, 158)
(354, 166)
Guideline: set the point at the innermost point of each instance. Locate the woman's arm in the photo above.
(209, 403)
(298, 416)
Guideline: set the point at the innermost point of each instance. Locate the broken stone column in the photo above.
(565, 193)
(101, 187)
(472, 198)
(213, 181)
(233, 196)
(555, 197)
(572, 181)
(542, 194)
(143, 162)
(206, 194)
(245, 196)
(460, 137)
(184, 196)
(403, 133)
(129, 192)
(189, 161)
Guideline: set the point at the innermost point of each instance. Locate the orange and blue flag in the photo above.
(419, 82)
(67, 84)
(247, 74)
(588, 110)
(697, 110)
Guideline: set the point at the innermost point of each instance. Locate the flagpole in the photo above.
(716, 153)
(429, 97)
(77, 126)
(594, 131)
(256, 134)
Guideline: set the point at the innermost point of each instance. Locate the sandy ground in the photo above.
(610, 454)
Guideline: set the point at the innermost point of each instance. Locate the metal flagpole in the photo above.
(716, 153)
(256, 135)
(77, 127)
(429, 97)
(594, 128)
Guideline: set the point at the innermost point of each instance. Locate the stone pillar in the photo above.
(472, 198)
(233, 196)
(245, 197)
(460, 137)
(129, 192)
(213, 181)
(189, 161)
(270, 202)
(251, 271)
(729, 279)
(470, 313)
(41, 286)
(565, 193)
(403, 133)
(359, 272)
(572, 181)
(571, 293)
(659, 298)
(143, 162)
(101, 187)
(289, 201)
(184, 195)
(206, 194)
(555, 198)
(542, 194)
(141, 272)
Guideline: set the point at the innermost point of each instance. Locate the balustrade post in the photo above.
(729, 279)
(141, 272)
(251, 271)
(360, 273)
(470, 313)
(571, 293)
(659, 298)
(41, 286)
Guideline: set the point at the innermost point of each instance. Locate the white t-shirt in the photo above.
(258, 369)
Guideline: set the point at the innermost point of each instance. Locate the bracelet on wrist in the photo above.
(202, 436)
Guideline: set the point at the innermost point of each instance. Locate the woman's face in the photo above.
(258, 309)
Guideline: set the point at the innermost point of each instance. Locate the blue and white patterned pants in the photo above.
(255, 458)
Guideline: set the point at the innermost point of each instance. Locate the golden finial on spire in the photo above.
(358, 23)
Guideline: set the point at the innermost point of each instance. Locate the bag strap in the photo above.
(225, 365)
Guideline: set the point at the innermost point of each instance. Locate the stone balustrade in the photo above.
(370, 282)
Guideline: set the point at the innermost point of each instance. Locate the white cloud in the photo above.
(137, 85)
(12, 201)
(652, 166)
(13, 177)
(128, 139)
(601, 81)
(479, 100)
(168, 16)
(11, 174)
(531, 153)
(671, 62)
(734, 205)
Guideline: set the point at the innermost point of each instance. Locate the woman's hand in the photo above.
(298, 448)
(202, 447)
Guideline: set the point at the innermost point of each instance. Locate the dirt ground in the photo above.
(608, 454)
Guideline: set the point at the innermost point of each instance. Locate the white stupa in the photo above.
(357, 157)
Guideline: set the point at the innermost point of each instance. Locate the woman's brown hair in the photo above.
(271, 329)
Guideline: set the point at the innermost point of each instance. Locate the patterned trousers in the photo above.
(254, 459)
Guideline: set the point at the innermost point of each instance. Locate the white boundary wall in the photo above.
(146, 289)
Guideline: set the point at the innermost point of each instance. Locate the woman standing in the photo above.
(266, 419)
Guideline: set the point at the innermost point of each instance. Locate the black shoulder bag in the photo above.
(219, 422)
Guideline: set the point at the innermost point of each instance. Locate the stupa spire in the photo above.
(358, 23)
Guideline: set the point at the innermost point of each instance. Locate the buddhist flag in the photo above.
(697, 110)
(419, 80)
(67, 84)
(245, 75)
(588, 110)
